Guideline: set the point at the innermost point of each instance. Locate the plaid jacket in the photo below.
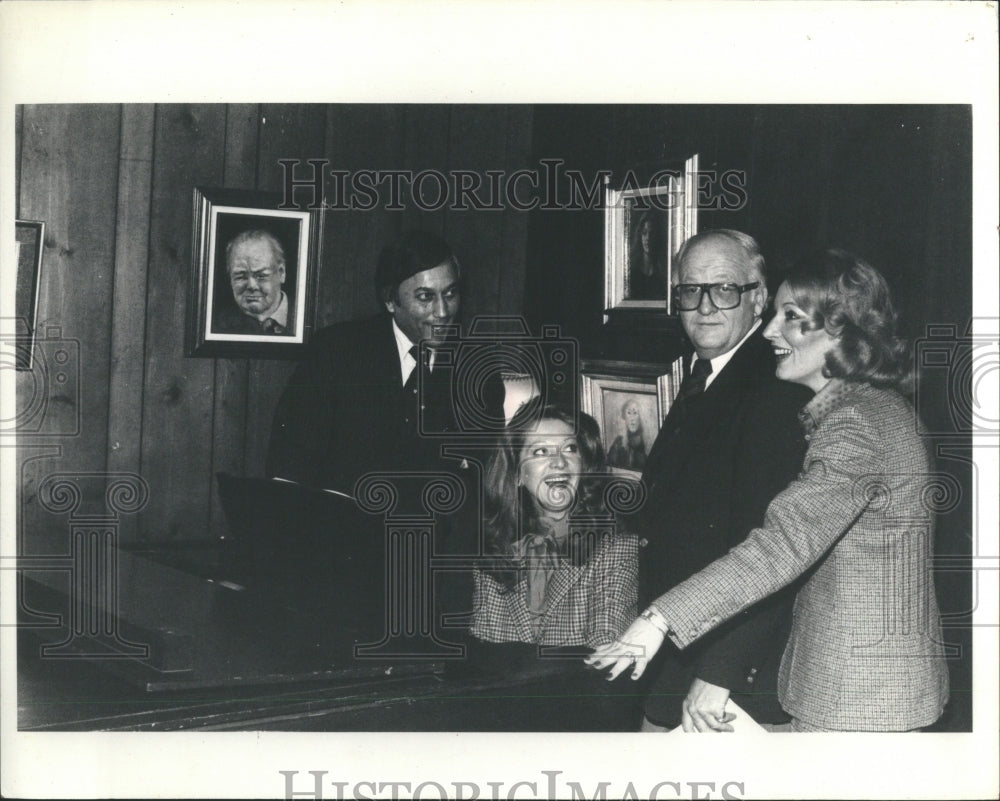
(865, 651)
(590, 604)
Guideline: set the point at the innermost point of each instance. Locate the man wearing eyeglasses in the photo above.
(730, 443)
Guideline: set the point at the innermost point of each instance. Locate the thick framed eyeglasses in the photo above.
(723, 296)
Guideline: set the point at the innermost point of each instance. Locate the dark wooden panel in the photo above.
(477, 142)
(358, 137)
(177, 398)
(286, 132)
(425, 147)
(514, 238)
(69, 168)
(135, 173)
(230, 393)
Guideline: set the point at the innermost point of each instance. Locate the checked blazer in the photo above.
(589, 604)
(865, 651)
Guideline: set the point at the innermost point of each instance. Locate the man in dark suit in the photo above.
(351, 407)
(255, 264)
(730, 443)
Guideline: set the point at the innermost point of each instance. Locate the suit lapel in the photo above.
(566, 577)
(685, 423)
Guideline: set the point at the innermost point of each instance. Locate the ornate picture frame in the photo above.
(629, 401)
(253, 275)
(644, 225)
(29, 244)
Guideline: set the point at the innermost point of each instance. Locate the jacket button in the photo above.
(749, 679)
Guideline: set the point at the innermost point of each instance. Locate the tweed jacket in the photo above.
(589, 604)
(865, 651)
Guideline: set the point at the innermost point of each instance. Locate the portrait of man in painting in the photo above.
(254, 276)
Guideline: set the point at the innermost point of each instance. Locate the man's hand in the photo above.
(704, 709)
(637, 645)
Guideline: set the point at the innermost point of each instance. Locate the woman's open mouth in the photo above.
(782, 353)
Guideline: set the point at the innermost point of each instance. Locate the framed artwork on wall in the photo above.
(253, 275)
(29, 243)
(629, 401)
(644, 225)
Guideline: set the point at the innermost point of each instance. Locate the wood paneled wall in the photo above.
(114, 187)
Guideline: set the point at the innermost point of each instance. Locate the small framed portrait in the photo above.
(629, 401)
(253, 275)
(645, 224)
(29, 243)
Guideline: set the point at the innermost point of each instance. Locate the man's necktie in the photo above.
(411, 389)
(272, 326)
(694, 384)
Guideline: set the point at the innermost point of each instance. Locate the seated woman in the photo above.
(865, 650)
(557, 576)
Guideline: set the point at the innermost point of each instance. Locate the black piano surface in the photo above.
(194, 649)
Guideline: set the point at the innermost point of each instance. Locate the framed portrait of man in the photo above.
(253, 274)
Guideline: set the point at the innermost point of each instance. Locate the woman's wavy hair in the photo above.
(510, 509)
(850, 299)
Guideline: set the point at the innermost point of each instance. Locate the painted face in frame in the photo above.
(256, 278)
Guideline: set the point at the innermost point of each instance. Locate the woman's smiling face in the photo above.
(800, 355)
(550, 466)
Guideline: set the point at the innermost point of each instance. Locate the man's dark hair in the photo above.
(412, 253)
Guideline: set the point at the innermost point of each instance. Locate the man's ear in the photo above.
(390, 307)
(759, 301)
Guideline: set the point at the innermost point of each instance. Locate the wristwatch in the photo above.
(653, 615)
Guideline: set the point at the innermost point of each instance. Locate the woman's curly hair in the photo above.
(850, 299)
(510, 509)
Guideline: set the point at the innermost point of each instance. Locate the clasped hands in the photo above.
(703, 708)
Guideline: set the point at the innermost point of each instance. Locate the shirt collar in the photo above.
(721, 361)
(403, 345)
(814, 412)
(280, 315)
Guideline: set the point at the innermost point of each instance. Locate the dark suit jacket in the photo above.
(229, 319)
(343, 413)
(718, 461)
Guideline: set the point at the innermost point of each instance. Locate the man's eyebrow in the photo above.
(455, 285)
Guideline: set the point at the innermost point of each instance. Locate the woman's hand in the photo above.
(637, 645)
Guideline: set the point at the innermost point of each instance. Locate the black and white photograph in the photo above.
(252, 273)
(417, 427)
